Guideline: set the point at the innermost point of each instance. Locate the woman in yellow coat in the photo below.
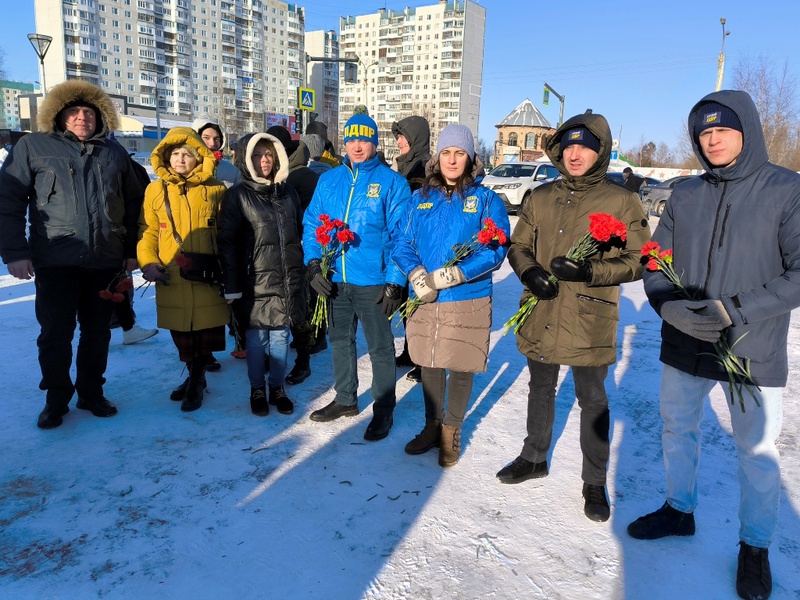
(184, 201)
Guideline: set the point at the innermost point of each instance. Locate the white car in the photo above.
(514, 182)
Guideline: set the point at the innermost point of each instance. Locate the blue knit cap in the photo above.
(582, 136)
(713, 114)
(456, 136)
(361, 127)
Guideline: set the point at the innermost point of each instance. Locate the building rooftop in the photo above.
(525, 115)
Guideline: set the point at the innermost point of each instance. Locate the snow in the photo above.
(155, 503)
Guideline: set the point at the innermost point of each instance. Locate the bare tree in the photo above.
(2, 63)
(774, 91)
(484, 150)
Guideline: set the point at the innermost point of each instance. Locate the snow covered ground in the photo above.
(155, 503)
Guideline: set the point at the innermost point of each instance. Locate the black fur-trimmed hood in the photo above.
(70, 92)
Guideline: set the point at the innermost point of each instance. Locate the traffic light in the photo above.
(298, 121)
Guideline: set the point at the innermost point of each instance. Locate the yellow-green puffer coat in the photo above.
(183, 305)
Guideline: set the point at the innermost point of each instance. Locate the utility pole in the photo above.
(721, 59)
(548, 89)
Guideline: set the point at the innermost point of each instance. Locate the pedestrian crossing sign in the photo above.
(306, 98)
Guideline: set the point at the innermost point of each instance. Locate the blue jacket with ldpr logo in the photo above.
(372, 200)
(438, 223)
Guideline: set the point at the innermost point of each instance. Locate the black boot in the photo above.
(258, 402)
(301, 370)
(278, 398)
(194, 391)
(179, 393)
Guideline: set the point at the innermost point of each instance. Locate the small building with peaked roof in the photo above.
(521, 136)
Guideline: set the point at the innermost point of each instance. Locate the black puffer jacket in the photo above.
(260, 243)
(81, 197)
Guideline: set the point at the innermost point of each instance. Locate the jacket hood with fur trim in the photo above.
(244, 158)
(199, 124)
(77, 90)
(178, 136)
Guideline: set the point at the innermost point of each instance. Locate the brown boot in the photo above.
(426, 439)
(450, 446)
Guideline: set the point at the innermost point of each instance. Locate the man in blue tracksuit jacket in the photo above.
(365, 285)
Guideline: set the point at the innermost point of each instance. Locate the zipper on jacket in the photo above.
(535, 241)
(354, 173)
(714, 235)
(593, 299)
(74, 189)
(282, 246)
(724, 224)
(435, 337)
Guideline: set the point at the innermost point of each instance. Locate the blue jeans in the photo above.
(262, 343)
(354, 303)
(754, 433)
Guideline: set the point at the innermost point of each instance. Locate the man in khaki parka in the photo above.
(575, 322)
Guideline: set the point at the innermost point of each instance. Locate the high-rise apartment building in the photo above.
(9, 105)
(323, 78)
(425, 61)
(226, 60)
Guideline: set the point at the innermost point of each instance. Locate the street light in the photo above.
(41, 43)
(366, 75)
(721, 59)
(156, 79)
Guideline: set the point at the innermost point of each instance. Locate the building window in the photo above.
(500, 138)
(530, 140)
(512, 139)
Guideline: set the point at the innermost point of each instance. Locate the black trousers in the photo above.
(61, 294)
(593, 401)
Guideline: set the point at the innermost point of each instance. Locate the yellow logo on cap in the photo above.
(576, 135)
(359, 131)
(712, 118)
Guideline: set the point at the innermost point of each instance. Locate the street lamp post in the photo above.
(366, 75)
(41, 43)
(155, 79)
(721, 59)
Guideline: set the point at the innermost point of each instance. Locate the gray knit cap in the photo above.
(314, 143)
(458, 136)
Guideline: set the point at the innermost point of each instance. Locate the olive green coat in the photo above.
(579, 326)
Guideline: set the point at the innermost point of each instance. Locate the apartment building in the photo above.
(226, 60)
(323, 77)
(9, 105)
(425, 61)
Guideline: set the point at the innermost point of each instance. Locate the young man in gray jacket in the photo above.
(735, 236)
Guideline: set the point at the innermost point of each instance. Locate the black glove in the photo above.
(538, 282)
(317, 280)
(155, 272)
(567, 269)
(390, 299)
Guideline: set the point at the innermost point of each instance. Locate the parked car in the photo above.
(618, 178)
(654, 197)
(514, 182)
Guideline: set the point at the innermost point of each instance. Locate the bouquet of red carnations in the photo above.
(602, 227)
(332, 236)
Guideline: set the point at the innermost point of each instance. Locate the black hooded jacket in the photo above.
(735, 236)
(411, 165)
(260, 244)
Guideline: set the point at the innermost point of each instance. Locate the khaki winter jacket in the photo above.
(579, 326)
(183, 305)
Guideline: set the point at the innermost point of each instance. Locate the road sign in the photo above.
(546, 100)
(306, 98)
(615, 155)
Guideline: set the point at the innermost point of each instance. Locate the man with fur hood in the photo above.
(575, 322)
(735, 236)
(77, 187)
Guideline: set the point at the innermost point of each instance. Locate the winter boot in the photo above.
(664, 522)
(595, 503)
(449, 446)
(137, 334)
(427, 438)
(194, 391)
(279, 399)
(301, 370)
(179, 393)
(753, 575)
(258, 401)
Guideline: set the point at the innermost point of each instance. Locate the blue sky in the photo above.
(642, 64)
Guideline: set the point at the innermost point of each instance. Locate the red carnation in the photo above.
(324, 218)
(124, 285)
(345, 235)
(323, 238)
(650, 247)
(105, 294)
(183, 261)
(652, 265)
(485, 237)
(117, 297)
(603, 227)
(502, 238)
(217, 156)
